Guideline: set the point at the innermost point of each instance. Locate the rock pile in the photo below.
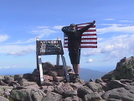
(108, 88)
(124, 70)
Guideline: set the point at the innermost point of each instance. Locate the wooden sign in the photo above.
(49, 47)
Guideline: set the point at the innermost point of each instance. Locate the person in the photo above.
(74, 40)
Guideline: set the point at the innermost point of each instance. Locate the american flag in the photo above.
(88, 39)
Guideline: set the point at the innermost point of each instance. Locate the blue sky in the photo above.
(21, 21)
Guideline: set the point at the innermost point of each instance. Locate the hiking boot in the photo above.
(76, 78)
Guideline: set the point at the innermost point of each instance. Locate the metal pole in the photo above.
(58, 56)
(37, 52)
(65, 69)
(40, 70)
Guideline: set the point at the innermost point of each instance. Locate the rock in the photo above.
(47, 66)
(28, 76)
(5, 90)
(21, 81)
(76, 85)
(73, 98)
(14, 84)
(113, 99)
(17, 77)
(52, 73)
(48, 78)
(53, 97)
(124, 70)
(3, 98)
(47, 83)
(65, 89)
(2, 83)
(115, 84)
(119, 93)
(59, 78)
(27, 95)
(96, 87)
(35, 75)
(92, 97)
(83, 90)
(47, 89)
(60, 72)
(8, 79)
(109, 76)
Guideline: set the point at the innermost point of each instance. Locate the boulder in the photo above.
(84, 90)
(27, 95)
(124, 70)
(92, 97)
(119, 93)
(65, 89)
(96, 87)
(51, 96)
(3, 98)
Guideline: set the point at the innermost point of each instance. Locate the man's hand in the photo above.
(93, 22)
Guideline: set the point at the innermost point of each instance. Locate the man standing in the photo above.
(74, 40)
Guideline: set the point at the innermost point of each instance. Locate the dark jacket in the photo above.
(74, 36)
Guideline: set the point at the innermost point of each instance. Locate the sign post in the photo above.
(50, 47)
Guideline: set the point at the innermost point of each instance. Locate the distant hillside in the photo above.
(87, 74)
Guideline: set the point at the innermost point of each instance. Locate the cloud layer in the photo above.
(3, 37)
(118, 46)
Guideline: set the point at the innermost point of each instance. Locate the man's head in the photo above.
(72, 26)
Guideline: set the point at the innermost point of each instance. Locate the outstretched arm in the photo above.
(88, 26)
(65, 29)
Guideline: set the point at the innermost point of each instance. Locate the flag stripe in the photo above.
(83, 26)
(85, 39)
(88, 34)
(84, 42)
(84, 47)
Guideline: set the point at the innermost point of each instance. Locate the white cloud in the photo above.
(3, 38)
(42, 31)
(58, 27)
(89, 60)
(17, 50)
(109, 19)
(21, 52)
(125, 21)
(116, 28)
(115, 47)
(6, 67)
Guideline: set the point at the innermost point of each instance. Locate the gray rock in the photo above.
(53, 97)
(2, 83)
(73, 98)
(65, 89)
(119, 93)
(28, 76)
(124, 70)
(96, 87)
(47, 66)
(112, 99)
(27, 95)
(5, 90)
(92, 97)
(8, 79)
(82, 91)
(48, 89)
(3, 98)
(115, 84)
(16, 77)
